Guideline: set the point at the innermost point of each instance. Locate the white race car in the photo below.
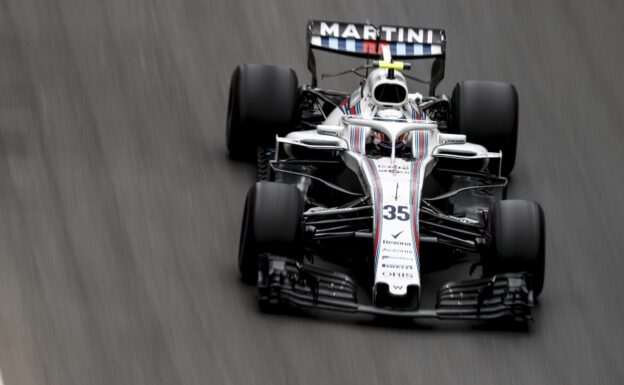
(382, 183)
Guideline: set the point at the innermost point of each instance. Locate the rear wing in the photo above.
(367, 40)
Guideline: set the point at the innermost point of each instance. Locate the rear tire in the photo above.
(272, 223)
(262, 103)
(518, 238)
(487, 113)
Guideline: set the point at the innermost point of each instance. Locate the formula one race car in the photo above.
(380, 181)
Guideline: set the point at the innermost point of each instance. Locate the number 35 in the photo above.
(396, 212)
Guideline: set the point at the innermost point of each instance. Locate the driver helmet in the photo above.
(383, 144)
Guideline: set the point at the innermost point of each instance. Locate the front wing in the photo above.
(284, 281)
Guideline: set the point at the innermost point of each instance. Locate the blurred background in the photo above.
(120, 210)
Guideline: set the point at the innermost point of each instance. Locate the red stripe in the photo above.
(370, 46)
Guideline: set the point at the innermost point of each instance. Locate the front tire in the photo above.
(272, 223)
(518, 239)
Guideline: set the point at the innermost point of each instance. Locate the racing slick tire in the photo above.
(272, 223)
(517, 244)
(487, 113)
(262, 103)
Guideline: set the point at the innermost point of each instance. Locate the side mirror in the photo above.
(451, 139)
(323, 129)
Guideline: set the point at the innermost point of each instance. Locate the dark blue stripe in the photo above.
(409, 49)
(359, 46)
(325, 41)
(342, 44)
(426, 49)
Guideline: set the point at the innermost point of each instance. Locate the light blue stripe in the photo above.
(400, 50)
(362, 144)
(333, 43)
(350, 45)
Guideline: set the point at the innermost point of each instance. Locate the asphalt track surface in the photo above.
(120, 210)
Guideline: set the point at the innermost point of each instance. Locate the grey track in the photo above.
(120, 210)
